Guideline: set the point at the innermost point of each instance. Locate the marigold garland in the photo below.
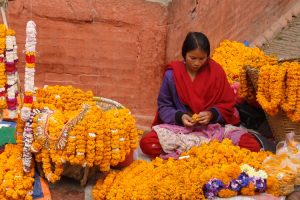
(178, 179)
(101, 138)
(291, 103)
(15, 183)
(233, 56)
(3, 78)
(271, 87)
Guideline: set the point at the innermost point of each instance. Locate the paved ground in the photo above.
(67, 189)
(286, 44)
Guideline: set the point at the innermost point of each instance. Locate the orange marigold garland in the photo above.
(92, 136)
(3, 79)
(179, 179)
(271, 87)
(291, 104)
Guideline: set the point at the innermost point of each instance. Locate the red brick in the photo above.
(55, 77)
(77, 69)
(88, 79)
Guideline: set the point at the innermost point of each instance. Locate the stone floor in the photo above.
(70, 189)
(67, 189)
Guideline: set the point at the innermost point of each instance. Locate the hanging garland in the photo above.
(291, 103)
(3, 78)
(271, 87)
(29, 69)
(12, 74)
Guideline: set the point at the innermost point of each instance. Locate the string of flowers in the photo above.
(182, 178)
(30, 51)
(28, 139)
(3, 79)
(291, 103)
(11, 72)
(271, 87)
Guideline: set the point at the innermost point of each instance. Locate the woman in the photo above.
(196, 85)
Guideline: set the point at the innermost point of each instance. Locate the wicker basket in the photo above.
(77, 172)
(280, 124)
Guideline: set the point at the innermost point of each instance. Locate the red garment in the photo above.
(210, 88)
(248, 141)
(150, 144)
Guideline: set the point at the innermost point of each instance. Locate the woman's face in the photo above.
(195, 59)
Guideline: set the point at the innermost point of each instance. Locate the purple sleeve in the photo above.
(217, 117)
(168, 101)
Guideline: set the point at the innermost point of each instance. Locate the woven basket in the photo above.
(280, 124)
(78, 172)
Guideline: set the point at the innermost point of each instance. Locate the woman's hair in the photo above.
(195, 40)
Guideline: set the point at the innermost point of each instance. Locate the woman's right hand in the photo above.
(187, 120)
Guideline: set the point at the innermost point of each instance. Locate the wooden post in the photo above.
(4, 16)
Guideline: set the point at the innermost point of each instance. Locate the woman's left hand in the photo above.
(205, 117)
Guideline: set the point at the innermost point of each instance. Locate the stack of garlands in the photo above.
(14, 182)
(185, 178)
(234, 57)
(96, 138)
(3, 79)
(278, 86)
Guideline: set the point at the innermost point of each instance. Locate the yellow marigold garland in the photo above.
(271, 87)
(179, 179)
(99, 138)
(233, 56)
(291, 104)
(3, 78)
(15, 183)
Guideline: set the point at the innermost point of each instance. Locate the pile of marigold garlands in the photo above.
(234, 57)
(14, 182)
(68, 126)
(278, 82)
(211, 170)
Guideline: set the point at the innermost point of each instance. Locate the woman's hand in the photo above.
(187, 120)
(205, 117)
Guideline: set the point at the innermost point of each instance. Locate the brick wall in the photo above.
(118, 49)
(115, 48)
(222, 19)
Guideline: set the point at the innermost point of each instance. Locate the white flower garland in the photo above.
(29, 69)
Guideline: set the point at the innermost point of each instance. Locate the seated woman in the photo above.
(194, 103)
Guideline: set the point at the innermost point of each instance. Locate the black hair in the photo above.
(195, 40)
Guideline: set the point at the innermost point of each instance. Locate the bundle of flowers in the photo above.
(248, 183)
(234, 56)
(70, 127)
(278, 87)
(14, 182)
(186, 178)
